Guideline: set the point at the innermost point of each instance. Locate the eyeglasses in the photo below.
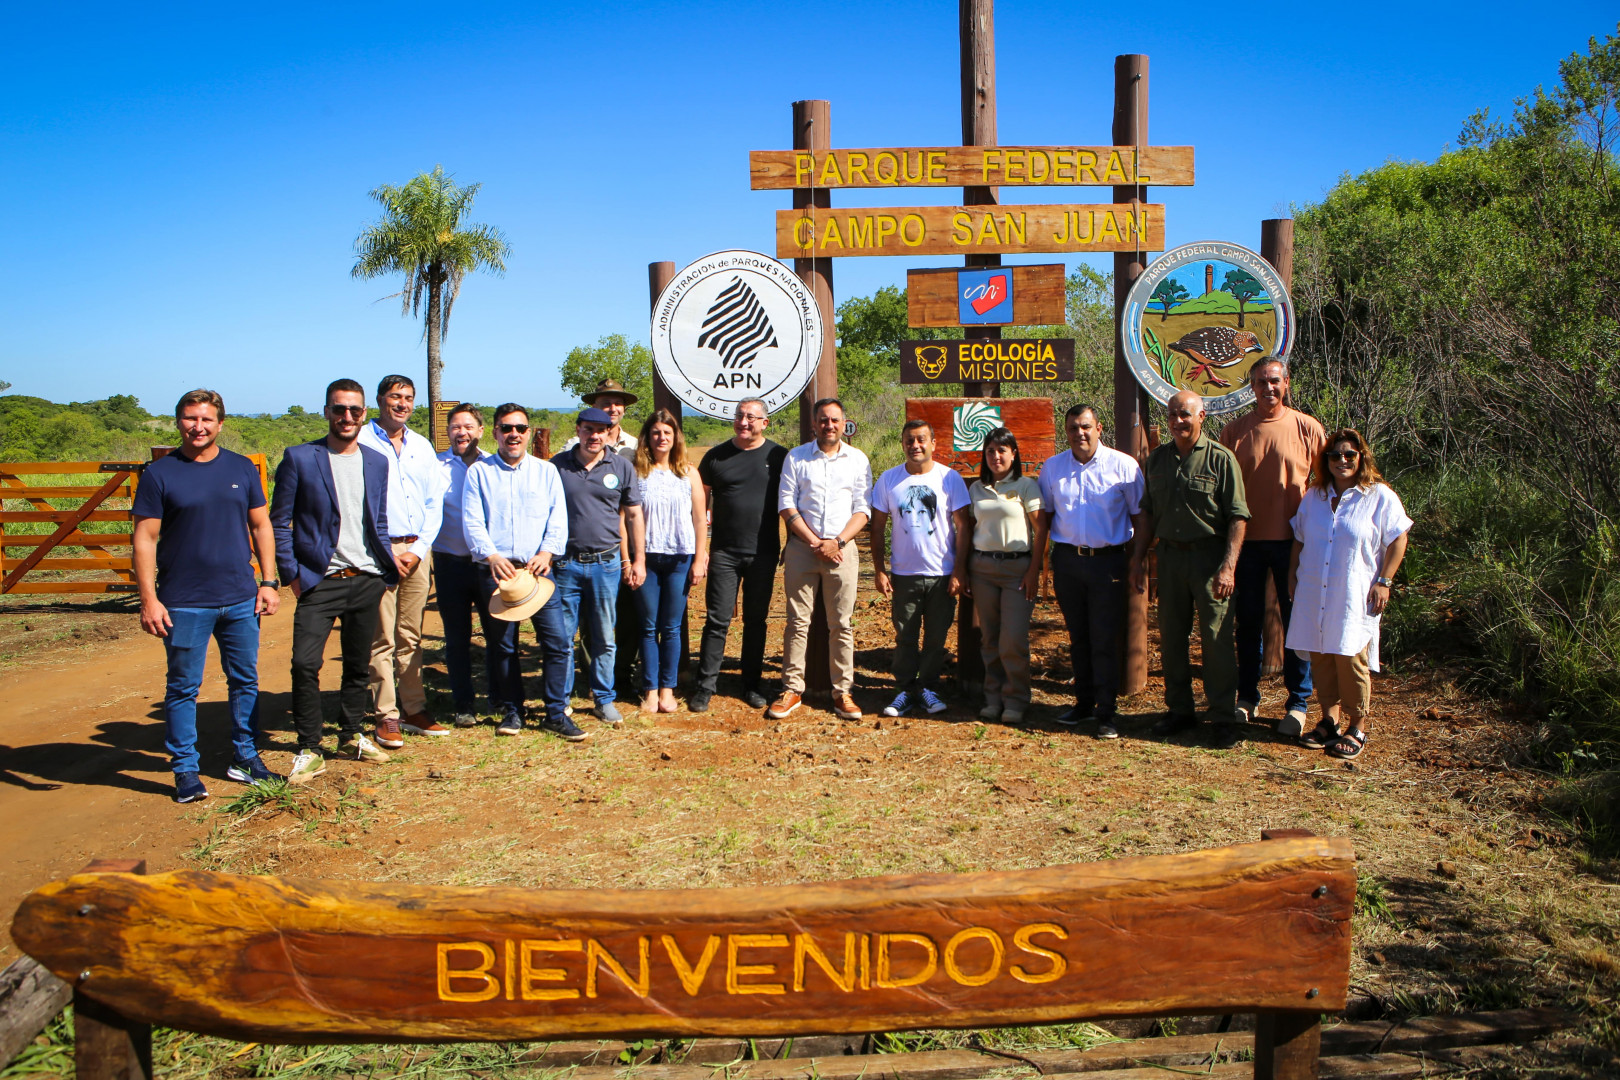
(507, 429)
(1343, 455)
(347, 410)
(751, 416)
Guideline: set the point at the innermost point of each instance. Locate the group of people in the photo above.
(615, 530)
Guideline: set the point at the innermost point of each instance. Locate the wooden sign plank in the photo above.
(987, 360)
(960, 425)
(1039, 296)
(439, 423)
(971, 166)
(1236, 929)
(821, 231)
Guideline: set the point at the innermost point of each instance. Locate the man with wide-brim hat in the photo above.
(520, 596)
(612, 398)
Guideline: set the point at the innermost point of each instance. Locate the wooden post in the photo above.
(659, 275)
(106, 1045)
(1277, 248)
(1287, 1045)
(1130, 401)
(812, 130)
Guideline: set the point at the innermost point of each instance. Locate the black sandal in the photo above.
(1348, 745)
(1321, 735)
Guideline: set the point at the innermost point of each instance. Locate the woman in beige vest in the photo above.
(1004, 573)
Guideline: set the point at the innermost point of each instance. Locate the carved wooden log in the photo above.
(1255, 927)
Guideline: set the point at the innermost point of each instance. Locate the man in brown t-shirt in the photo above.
(1276, 446)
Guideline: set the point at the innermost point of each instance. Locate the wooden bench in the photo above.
(1256, 928)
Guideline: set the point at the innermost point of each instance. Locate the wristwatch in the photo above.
(270, 584)
(1385, 582)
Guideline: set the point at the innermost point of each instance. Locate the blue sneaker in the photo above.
(898, 707)
(188, 787)
(251, 772)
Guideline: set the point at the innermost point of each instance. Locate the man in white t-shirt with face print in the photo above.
(928, 503)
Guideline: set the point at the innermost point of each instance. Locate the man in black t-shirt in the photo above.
(196, 510)
(741, 476)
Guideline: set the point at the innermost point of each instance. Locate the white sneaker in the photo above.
(1293, 723)
(306, 767)
(898, 707)
(991, 711)
(1247, 711)
(931, 702)
(363, 749)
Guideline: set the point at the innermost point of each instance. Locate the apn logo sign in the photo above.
(984, 296)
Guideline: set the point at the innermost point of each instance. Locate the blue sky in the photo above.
(186, 182)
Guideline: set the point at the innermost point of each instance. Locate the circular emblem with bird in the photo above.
(1200, 317)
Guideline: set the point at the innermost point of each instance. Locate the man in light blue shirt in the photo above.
(454, 571)
(415, 488)
(514, 517)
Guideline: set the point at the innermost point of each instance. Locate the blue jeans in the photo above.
(1258, 559)
(662, 603)
(236, 628)
(587, 602)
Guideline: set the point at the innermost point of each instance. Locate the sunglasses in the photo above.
(507, 429)
(1343, 455)
(347, 410)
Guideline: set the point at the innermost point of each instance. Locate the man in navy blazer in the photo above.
(330, 516)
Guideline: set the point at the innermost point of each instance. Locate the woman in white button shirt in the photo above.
(1349, 539)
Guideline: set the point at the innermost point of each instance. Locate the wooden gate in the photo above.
(18, 480)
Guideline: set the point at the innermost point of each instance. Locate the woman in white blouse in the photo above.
(1349, 539)
(677, 552)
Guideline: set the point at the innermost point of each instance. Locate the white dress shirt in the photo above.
(516, 511)
(452, 538)
(826, 489)
(1341, 555)
(415, 486)
(1091, 503)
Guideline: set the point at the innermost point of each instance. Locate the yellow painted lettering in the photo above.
(866, 961)
(1065, 160)
(860, 231)
(894, 168)
(1021, 939)
(1018, 227)
(885, 974)
(1107, 226)
(734, 970)
(1116, 167)
(913, 230)
(528, 974)
(804, 166)
(936, 166)
(829, 171)
(990, 161)
(1046, 352)
(691, 976)
(987, 228)
(511, 968)
(857, 167)
(885, 227)
(486, 960)
(805, 237)
(1061, 237)
(804, 945)
(830, 234)
(1136, 167)
(1080, 238)
(1086, 166)
(1046, 165)
(1015, 165)
(596, 955)
(905, 167)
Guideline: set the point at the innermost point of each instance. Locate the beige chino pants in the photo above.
(396, 651)
(802, 571)
(1342, 683)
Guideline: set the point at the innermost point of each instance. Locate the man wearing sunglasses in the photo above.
(331, 524)
(514, 519)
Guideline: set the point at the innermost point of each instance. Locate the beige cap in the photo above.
(520, 596)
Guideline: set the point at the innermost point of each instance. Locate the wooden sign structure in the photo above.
(969, 230)
(960, 425)
(988, 360)
(970, 166)
(439, 424)
(1253, 927)
(1039, 296)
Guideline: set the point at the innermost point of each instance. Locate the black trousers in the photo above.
(352, 601)
(1091, 594)
(460, 593)
(755, 574)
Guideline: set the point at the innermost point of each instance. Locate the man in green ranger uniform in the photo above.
(1195, 508)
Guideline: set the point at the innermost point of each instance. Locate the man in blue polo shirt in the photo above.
(194, 510)
(603, 494)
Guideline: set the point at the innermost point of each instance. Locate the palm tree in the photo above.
(420, 235)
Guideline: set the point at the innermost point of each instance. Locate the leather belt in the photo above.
(1003, 554)
(605, 555)
(403, 539)
(346, 572)
(1087, 552)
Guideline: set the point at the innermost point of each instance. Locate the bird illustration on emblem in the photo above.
(1213, 347)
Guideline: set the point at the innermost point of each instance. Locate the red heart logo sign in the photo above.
(994, 293)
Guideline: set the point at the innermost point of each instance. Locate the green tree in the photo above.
(1243, 287)
(870, 330)
(421, 235)
(1169, 293)
(612, 357)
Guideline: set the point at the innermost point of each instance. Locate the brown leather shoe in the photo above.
(422, 724)
(844, 705)
(783, 705)
(388, 734)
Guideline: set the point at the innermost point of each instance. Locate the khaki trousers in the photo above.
(1343, 683)
(1004, 610)
(396, 650)
(802, 571)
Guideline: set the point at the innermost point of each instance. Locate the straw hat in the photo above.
(520, 596)
(609, 386)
